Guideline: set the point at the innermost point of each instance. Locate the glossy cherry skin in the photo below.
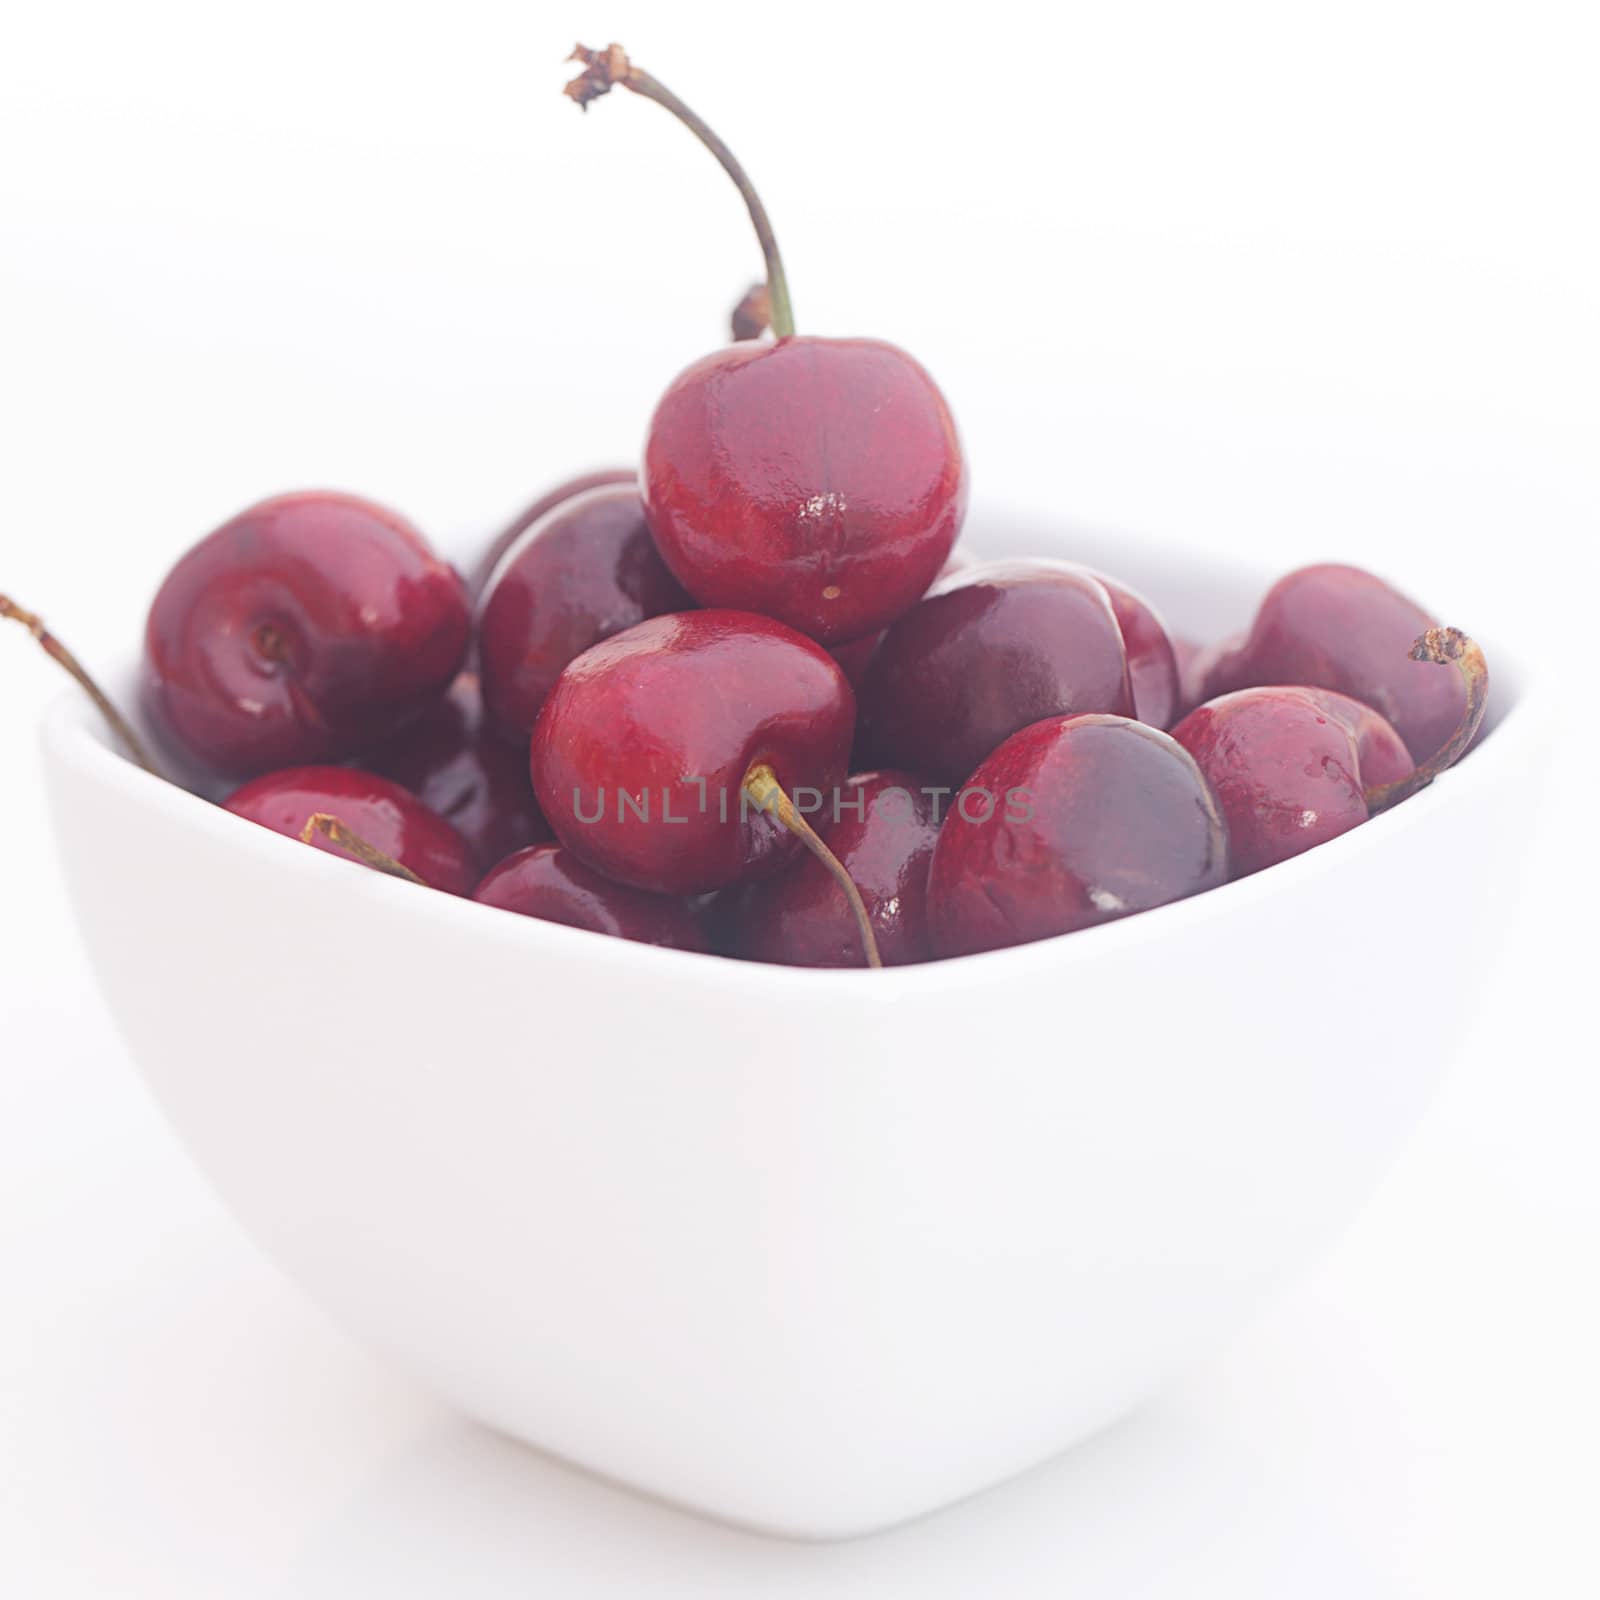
(458, 768)
(550, 883)
(641, 751)
(389, 818)
(883, 831)
(1340, 628)
(605, 477)
(991, 650)
(304, 628)
(584, 571)
(818, 481)
(1072, 822)
(1289, 767)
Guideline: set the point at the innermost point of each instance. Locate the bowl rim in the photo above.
(74, 738)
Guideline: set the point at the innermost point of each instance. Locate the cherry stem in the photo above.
(341, 834)
(761, 784)
(603, 71)
(753, 315)
(1444, 647)
(58, 652)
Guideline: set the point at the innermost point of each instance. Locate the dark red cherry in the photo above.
(1340, 628)
(1290, 767)
(643, 754)
(1072, 822)
(391, 820)
(586, 570)
(991, 650)
(306, 627)
(818, 481)
(881, 828)
(550, 883)
(525, 519)
(458, 768)
(1152, 660)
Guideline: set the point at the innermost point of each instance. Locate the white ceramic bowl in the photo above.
(812, 1252)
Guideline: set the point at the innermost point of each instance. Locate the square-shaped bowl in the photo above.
(811, 1252)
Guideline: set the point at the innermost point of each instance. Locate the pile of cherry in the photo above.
(750, 699)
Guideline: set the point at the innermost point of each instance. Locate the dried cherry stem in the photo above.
(1444, 647)
(341, 834)
(753, 315)
(58, 652)
(603, 71)
(762, 786)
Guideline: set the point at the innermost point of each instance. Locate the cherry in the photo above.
(1071, 822)
(1290, 767)
(456, 767)
(1340, 628)
(584, 571)
(305, 627)
(605, 477)
(818, 481)
(665, 757)
(362, 816)
(549, 882)
(992, 649)
(881, 828)
(1152, 658)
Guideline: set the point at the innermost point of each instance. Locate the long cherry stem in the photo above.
(603, 71)
(59, 653)
(341, 834)
(1443, 647)
(761, 784)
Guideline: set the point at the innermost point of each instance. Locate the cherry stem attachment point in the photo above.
(603, 71)
(59, 653)
(1443, 647)
(762, 786)
(339, 833)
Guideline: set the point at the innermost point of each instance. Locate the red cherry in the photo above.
(529, 515)
(1152, 659)
(1072, 822)
(1340, 628)
(991, 650)
(456, 767)
(645, 748)
(586, 570)
(881, 828)
(548, 882)
(390, 821)
(819, 481)
(305, 627)
(1290, 767)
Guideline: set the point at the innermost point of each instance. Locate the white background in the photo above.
(1282, 281)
